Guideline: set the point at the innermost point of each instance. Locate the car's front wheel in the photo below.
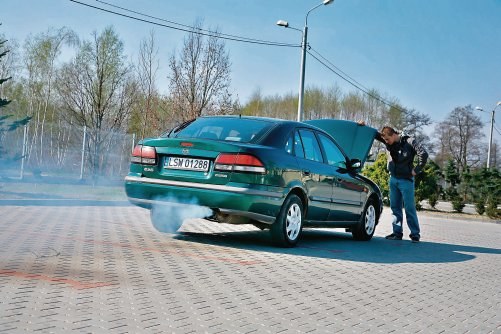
(164, 220)
(367, 224)
(286, 230)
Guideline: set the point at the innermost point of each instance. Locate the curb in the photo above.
(61, 202)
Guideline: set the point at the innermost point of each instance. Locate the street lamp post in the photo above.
(490, 133)
(304, 42)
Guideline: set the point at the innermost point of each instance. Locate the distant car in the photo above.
(275, 174)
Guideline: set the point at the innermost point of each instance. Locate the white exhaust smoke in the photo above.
(168, 213)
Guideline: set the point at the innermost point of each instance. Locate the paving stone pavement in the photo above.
(99, 269)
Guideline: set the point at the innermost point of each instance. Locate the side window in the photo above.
(334, 155)
(289, 144)
(298, 145)
(311, 147)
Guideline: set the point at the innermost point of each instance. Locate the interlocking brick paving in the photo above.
(101, 269)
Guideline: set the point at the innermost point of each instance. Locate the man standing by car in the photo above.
(402, 150)
(401, 153)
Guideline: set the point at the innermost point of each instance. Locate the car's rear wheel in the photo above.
(367, 224)
(286, 230)
(163, 220)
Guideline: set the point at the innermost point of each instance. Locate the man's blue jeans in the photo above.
(402, 195)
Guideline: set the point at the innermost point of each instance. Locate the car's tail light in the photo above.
(146, 155)
(239, 162)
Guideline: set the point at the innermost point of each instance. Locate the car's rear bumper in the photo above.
(239, 200)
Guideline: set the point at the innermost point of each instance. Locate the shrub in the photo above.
(456, 200)
(433, 200)
(480, 205)
(492, 208)
(458, 204)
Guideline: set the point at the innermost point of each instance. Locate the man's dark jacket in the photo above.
(402, 153)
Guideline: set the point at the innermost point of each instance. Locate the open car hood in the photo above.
(356, 140)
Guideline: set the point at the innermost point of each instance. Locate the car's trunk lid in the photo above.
(192, 160)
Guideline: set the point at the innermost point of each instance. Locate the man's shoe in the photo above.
(414, 239)
(393, 236)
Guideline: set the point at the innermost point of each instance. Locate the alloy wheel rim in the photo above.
(293, 221)
(370, 220)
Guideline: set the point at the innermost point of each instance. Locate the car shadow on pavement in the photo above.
(341, 246)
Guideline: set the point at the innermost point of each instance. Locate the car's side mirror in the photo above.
(355, 164)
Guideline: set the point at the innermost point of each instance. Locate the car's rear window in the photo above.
(228, 129)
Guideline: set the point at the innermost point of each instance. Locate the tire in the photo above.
(286, 230)
(367, 224)
(164, 220)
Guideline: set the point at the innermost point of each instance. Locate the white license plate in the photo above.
(187, 164)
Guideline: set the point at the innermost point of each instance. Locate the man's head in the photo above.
(389, 135)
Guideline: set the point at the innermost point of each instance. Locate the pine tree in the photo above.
(5, 123)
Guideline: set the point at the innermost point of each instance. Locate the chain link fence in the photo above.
(66, 152)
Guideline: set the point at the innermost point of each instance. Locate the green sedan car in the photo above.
(278, 175)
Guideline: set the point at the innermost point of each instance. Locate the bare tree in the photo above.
(376, 111)
(409, 121)
(40, 55)
(414, 122)
(200, 77)
(459, 136)
(147, 115)
(352, 106)
(97, 91)
(332, 105)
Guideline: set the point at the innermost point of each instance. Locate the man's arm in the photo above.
(379, 138)
(421, 153)
(378, 135)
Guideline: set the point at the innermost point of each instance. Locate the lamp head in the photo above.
(327, 2)
(283, 23)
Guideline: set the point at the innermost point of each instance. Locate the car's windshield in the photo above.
(225, 128)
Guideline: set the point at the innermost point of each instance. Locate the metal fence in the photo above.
(65, 151)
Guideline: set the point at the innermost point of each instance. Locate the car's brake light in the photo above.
(239, 162)
(146, 155)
